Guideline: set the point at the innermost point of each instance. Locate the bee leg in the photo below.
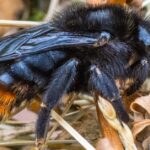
(139, 72)
(103, 83)
(60, 83)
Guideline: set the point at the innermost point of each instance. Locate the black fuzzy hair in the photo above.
(116, 19)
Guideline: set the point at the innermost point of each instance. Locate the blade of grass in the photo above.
(72, 131)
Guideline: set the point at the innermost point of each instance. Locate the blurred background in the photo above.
(43, 10)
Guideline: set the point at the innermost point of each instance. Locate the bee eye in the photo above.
(104, 38)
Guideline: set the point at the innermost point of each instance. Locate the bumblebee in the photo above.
(83, 49)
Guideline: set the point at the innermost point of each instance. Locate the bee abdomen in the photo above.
(7, 101)
(22, 71)
(45, 62)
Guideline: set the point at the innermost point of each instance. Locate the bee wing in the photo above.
(13, 42)
(39, 40)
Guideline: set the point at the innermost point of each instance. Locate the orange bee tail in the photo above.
(7, 100)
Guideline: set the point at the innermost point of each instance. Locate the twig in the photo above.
(14, 132)
(72, 131)
(29, 142)
(15, 23)
(63, 114)
(98, 115)
(123, 130)
(15, 122)
(52, 6)
(107, 131)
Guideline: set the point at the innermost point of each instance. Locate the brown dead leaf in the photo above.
(146, 144)
(141, 132)
(139, 126)
(127, 100)
(141, 108)
(141, 104)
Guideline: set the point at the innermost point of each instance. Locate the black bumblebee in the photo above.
(85, 48)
